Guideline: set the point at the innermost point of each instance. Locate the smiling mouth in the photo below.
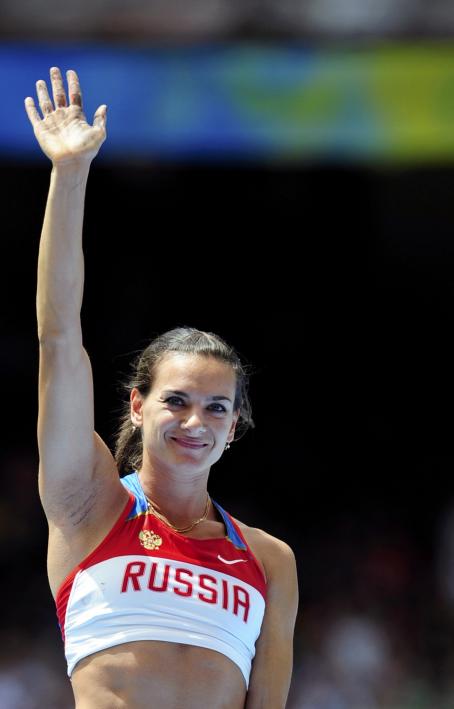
(189, 444)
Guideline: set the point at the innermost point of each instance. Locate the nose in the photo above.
(193, 423)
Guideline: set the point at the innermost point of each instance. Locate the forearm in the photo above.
(60, 260)
(269, 688)
(268, 697)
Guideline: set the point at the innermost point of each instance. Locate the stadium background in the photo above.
(282, 175)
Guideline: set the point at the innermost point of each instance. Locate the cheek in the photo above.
(222, 427)
(159, 419)
(167, 417)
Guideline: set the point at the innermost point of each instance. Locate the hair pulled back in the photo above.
(128, 443)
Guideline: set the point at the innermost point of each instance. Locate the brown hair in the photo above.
(128, 443)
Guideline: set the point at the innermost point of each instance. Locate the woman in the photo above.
(163, 598)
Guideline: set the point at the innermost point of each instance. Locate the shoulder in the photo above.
(275, 554)
(282, 594)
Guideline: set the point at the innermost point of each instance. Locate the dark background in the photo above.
(336, 285)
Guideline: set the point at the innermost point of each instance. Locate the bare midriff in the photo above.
(153, 674)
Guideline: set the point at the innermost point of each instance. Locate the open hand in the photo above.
(63, 133)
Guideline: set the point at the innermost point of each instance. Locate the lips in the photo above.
(189, 443)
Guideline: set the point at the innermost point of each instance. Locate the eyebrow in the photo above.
(183, 393)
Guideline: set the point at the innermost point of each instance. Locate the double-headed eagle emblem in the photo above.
(149, 539)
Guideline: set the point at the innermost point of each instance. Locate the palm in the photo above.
(63, 133)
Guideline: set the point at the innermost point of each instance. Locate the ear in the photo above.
(136, 401)
(236, 416)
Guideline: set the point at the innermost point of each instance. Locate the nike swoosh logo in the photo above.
(234, 561)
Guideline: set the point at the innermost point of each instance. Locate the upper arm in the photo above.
(273, 663)
(70, 452)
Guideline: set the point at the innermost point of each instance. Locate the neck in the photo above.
(178, 528)
(180, 500)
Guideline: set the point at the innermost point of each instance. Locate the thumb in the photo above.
(100, 117)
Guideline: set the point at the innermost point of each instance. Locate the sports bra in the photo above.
(145, 581)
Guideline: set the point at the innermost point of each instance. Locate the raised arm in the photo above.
(75, 465)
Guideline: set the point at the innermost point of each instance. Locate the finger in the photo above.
(75, 94)
(100, 117)
(45, 103)
(58, 89)
(32, 111)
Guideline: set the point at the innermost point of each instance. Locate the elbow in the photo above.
(53, 340)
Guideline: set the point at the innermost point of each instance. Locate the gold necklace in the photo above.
(169, 524)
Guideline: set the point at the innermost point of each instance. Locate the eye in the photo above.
(219, 410)
(174, 400)
(178, 401)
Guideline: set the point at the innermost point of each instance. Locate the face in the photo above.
(188, 415)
